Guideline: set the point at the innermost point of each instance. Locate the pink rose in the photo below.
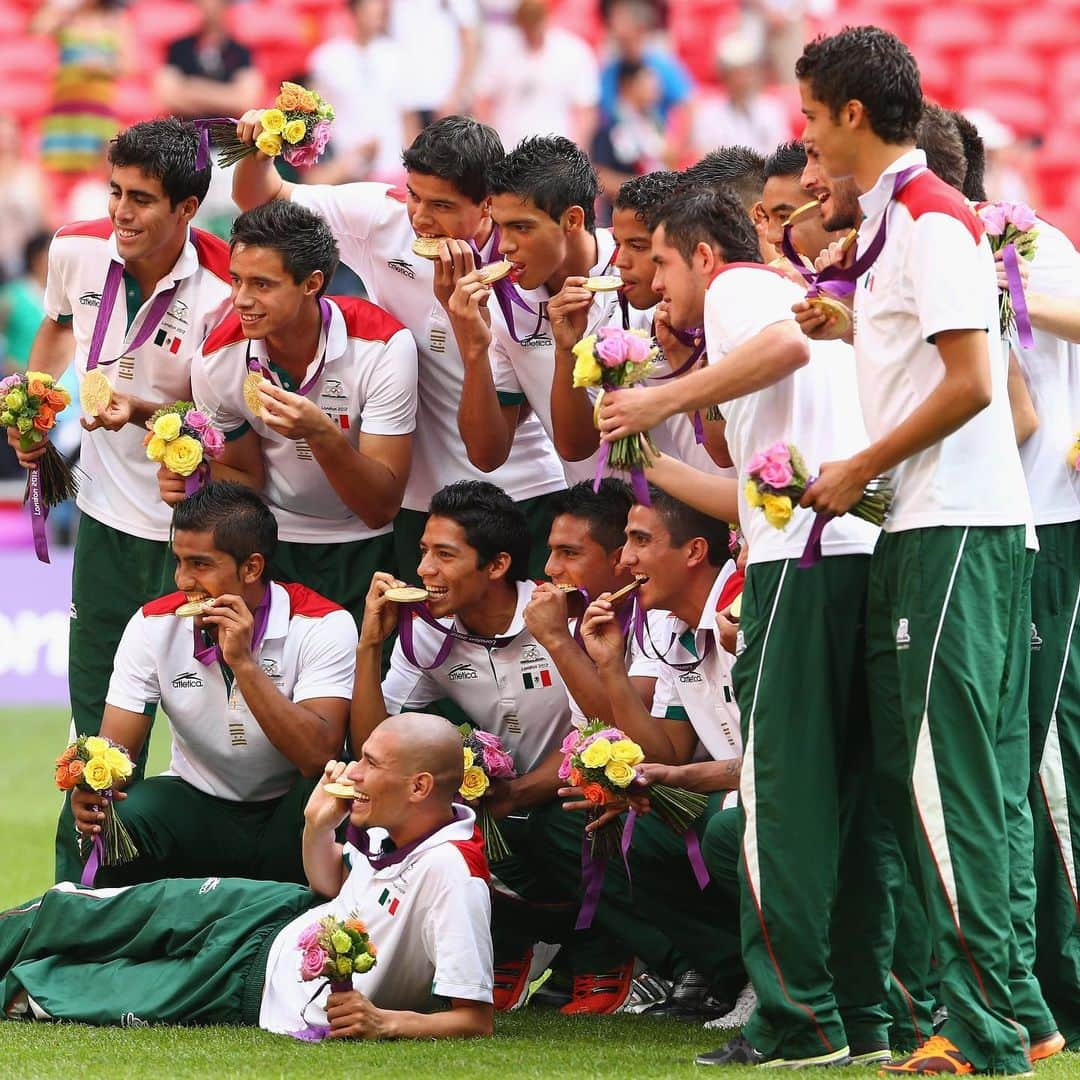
(498, 764)
(612, 351)
(313, 962)
(564, 768)
(612, 734)
(779, 452)
(1020, 216)
(213, 441)
(570, 742)
(486, 739)
(777, 474)
(308, 153)
(8, 383)
(757, 463)
(637, 348)
(196, 419)
(994, 219)
(308, 938)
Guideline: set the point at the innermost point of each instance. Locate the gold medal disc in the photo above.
(193, 607)
(603, 283)
(408, 594)
(834, 310)
(496, 272)
(340, 791)
(427, 247)
(95, 392)
(252, 381)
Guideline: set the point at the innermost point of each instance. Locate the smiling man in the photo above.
(227, 950)
(130, 296)
(446, 195)
(328, 436)
(257, 695)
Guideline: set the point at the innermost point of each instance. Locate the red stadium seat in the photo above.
(938, 77)
(1005, 67)
(1043, 29)
(1057, 163)
(159, 22)
(953, 30)
(27, 57)
(1026, 114)
(27, 100)
(270, 26)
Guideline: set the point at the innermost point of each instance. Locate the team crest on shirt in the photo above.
(178, 313)
(270, 669)
(333, 390)
(402, 267)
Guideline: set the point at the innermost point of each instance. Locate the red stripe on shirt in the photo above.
(230, 331)
(365, 320)
(398, 194)
(472, 851)
(164, 605)
(213, 253)
(307, 602)
(929, 194)
(101, 228)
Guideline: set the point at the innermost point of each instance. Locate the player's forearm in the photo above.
(717, 496)
(323, 865)
(575, 434)
(481, 423)
(308, 740)
(461, 1022)
(366, 486)
(53, 348)
(1025, 419)
(579, 674)
(706, 777)
(1059, 316)
(256, 181)
(539, 785)
(368, 708)
(633, 718)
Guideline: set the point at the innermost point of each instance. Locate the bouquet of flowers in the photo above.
(613, 358)
(486, 759)
(296, 127)
(1011, 225)
(602, 761)
(778, 477)
(30, 402)
(1073, 456)
(181, 437)
(334, 949)
(97, 764)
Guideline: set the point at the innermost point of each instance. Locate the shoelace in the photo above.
(608, 982)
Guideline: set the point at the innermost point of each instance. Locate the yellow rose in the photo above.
(39, 376)
(587, 371)
(118, 762)
(274, 121)
(183, 455)
(777, 510)
(470, 757)
(1073, 455)
(294, 131)
(474, 783)
(628, 751)
(597, 754)
(96, 746)
(752, 495)
(167, 427)
(269, 144)
(97, 774)
(155, 448)
(620, 773)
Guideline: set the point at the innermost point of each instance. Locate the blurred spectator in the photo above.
(744, 115)
(94, 40)
(630, 142)
(208, 73)
(778, 30)
(1006, 158)
(440, 42)
(22, 305)
(537, 79)
(632, 32)
(22, 200)
(372, 126)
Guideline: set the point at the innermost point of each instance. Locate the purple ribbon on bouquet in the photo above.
(318, 1032)
(211, 654)
(97, 853)
(202, 153)
(1016, 294)
(506, 293)
(451, 634)
(592, 878)
(637, 476)
(197, 479)
(693, 848)
(811, 555)
(39, 513)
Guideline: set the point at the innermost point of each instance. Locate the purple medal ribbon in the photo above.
(695, 338)
(1016, 295)
(305, 388)
(211, 654)
(506, 292)
(149, 324)
(811, 555)
(318, 1032)
(382, 859)
(640, 631)
(420, 610)
(39, 514)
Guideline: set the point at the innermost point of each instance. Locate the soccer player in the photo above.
(130, 296)
(446, 195)
(257, 696)
(227, 950)
(947, 583)
(328, 436)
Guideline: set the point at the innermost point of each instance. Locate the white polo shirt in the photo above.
(514, 691)
(1052, 373)
(429, 917)
(308, 651)
(704, 697)
(373, 232)
(120, 488)
(816, 408)
(524, 371)
(368, 384)
(935, 273)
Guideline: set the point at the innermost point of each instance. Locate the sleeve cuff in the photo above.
(64, 320)
(506, 398)
(243, 429)
(676, 712)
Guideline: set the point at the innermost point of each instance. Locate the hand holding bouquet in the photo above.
(610, 359)
(93, 763)
(485, 760)
(30, 402)
(181, 437)
(1010, 228)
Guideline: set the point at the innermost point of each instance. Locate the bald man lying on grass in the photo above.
(228, 950)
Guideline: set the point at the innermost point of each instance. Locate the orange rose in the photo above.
(290, 96)
(67, 755)
(595, 794)
(55, 400)
(75, 771)
(575, 778)
(356, 926)
(63, 781)
(36, 388)
(45, 418)
(371, 948)
(308, 102)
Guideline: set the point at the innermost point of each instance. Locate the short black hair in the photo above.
(684, 523)
(491, 520)
(642, 194)
(710, 217)
(975, 153)
(166, 150)
(937, 136)
(552, 172)
(737, 167)
(36, 244)
(241, 523)
(459, 150)
(788, 159)
(300, 236)
(870, 65)
(605, 510)
(626, 70)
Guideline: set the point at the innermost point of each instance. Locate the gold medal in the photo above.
(340, 791)
(407, 594)
(626, 590)
(735, 610)
(496, 272)
(252, 381)
(834, 310)
(95, 392)
(603, 283)
(427, 247)
(193, 607)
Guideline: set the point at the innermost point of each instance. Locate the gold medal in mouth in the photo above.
(407, 594)
(427, 247)
(495, 272)
(603, 283)
(193, 606)
(340, 791)
(626, 590)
